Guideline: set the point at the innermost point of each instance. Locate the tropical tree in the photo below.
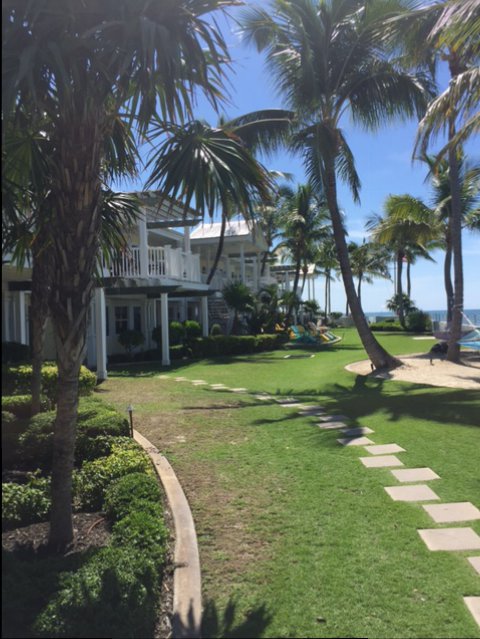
(328, 60)
(327, 262)
(407, 223)
(239, 298)
(369, 261)
(95, 70)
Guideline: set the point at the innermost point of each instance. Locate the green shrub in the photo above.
(418, 322)
(8, 418)
(36, 442)
(23, 504)
(142, 531)
(387, 325)
(89, 448)
(130, 339)
(14, 352)
(18, 380)
(192, 330)
(216, 329)
(94, 477)
(176, 332)
(21, 405)
(178, 351)
(113, 595)
(126, 494)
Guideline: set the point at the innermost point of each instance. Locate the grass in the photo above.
(297, 538)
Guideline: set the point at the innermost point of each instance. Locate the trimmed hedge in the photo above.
(216, 345)
(23, 504)
(393, 326)
(18, 379)
(135, 491)
(21, 405)
(8, 418)
(92, 480)
(142, 531)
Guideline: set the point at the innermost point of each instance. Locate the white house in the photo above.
(160, 277)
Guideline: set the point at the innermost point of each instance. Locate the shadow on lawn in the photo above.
(217, 624)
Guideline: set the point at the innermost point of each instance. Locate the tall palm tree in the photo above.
(327, 262)
(369, 261)
(96, 70)
(304, 224)
(327, 59)
(407, 223)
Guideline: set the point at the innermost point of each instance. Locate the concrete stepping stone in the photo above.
(334, 418)
(292, 405)
(332, 425)
(450, 538)
(355, 441)
(384, 449)
(312, 410)
(414, 474)
(198, 381)
(239, 390)
(218, 386)
(356, 432)
(458, 511)
(473, 604)
(382, 461)
(475, 561)
(418, 492)
(286, 400)
(162, 376)
(181, 379)
(264, 398)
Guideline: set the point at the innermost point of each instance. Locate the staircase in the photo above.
(219, 313)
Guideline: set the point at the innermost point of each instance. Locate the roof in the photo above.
(163, 211)
(234, 228)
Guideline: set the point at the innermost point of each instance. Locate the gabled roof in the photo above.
(235, 228)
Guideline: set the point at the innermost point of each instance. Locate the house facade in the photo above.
(160, 277)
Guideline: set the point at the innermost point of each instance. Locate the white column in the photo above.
(228, 267)
(186, 240)
(143, 242)
(256, 273)
(205, 327)
(154, 317)
(22, 318)
(164, 322)
(101, 333)
(6, 318)
(242, 264)
(287, 280)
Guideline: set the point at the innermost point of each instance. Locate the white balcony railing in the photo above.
(161, 262)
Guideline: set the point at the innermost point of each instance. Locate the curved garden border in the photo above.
(187, 587)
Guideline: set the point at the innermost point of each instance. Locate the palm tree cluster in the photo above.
(85, 84)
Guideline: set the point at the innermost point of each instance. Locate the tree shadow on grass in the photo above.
(218, 624)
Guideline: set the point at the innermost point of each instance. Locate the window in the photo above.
(137, 318)
(121, 319)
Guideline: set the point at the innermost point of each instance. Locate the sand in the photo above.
(417, 368)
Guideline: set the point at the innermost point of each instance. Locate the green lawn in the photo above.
(297, 538)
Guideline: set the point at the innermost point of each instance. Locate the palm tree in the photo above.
(239, 298)
(303, 218)
(94, 71)
(327, 59)
(327, 261)
(369, 261)
(407, 223)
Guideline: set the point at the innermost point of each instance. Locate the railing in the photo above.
(161, 261)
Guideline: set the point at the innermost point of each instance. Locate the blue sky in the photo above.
(384, 164)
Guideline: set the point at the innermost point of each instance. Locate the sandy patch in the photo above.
(417, 368)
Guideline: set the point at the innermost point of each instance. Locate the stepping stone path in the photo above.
(414, 474)
(473, 604)
(334, 418)
(198, 381)
(239, 390)
(263, 398)
(355, 441)
(447, 513)
(419, 492)
(475, 561)
(382, 461)
(312, 410)
(332, 425)
(356, 432)
(384, 449)
(450, 538)
(291, 404)
(288, 400)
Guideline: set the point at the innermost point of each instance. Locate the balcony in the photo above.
(157, 262)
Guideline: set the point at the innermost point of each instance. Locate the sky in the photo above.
(384, 164)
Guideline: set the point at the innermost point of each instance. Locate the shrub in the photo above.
(23, 504)
(8, 418)
(234, 344)
(192, 330)
(14, 352)
(113, 595)
(387, 325)
(90, 448)
(128, 492)
(418, 322)
(94, 477)
(130, 339)
(216, 329)
(18, 380)
(142, 531)
(176, 332)
(178, 351)
(21, 405)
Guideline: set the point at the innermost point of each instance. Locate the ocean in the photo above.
(439, 316)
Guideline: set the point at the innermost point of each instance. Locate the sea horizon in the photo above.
(473, 314)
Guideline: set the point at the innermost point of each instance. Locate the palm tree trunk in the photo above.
(359, 289)
(75, 231)
(401, 314)
(327, 280)
(378, 355)
(305, 273)
(219, 252)
(453, 353)
(409, 281)
(447, 274)
(298, 267)
(265, 257)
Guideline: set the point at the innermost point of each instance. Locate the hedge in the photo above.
(17, 380)
(393, 326)
(21, 405)
(23, 504)
(215, 345)
(131, 492)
